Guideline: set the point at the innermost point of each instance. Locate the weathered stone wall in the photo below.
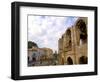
(71, 45)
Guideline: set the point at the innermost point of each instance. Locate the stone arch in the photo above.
(68, 38)
(69, 61)
(68, 32)
(81, 31)
(83, 60)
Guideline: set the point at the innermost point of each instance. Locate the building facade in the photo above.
(39, 56)
(73, 44)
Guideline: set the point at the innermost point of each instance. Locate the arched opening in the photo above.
(82, 29)
(69, 61)
(83, 60)
(68, 33)
(68, 37)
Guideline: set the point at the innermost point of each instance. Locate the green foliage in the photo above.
(31, 44)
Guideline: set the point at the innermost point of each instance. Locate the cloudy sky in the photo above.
(46, 30)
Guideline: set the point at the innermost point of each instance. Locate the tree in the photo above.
(31, 44)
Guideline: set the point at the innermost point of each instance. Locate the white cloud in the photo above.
(46, 30)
